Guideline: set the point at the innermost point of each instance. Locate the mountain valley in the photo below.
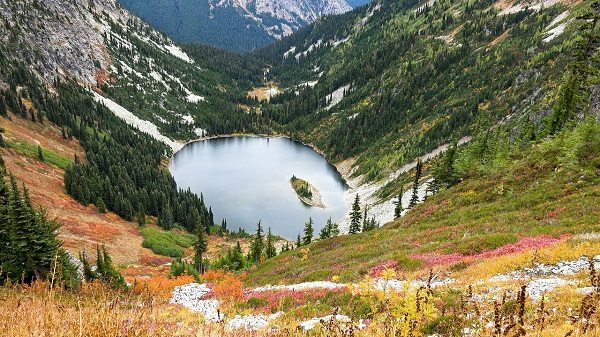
(468, 133)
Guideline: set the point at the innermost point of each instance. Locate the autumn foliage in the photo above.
(160, 286)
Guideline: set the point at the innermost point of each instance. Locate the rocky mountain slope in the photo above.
(105, 48)
(240, 25)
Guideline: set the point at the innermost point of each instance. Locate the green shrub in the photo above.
(255, 302)
(407, 263)
(166, 243)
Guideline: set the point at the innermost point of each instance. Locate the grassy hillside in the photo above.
(543, 192)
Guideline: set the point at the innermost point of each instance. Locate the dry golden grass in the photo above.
(571, 249)
(95, 310)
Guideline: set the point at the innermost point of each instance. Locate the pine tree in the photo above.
(141, 216)
(355, 217)
(398, 209)
(106, 270)
(237, 257)
(414, 199)
(444, 174)
(88, 274)
(308, 232)
(270, 250)
(40, 153)
(101, 205)
(257, 246)
(298, 241)
(165, 220)
(3, 108)
(335, 229)
(325, 231)
(199, 249)
(224, 225)
(366, 226)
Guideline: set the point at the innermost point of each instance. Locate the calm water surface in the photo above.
(246, 179)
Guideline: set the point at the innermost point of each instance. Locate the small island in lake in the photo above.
(307, 193)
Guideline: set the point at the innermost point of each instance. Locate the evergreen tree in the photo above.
(414, 199)
(257, 246)
(224, 225)
(355, 217)
(270, 249)
(141, 217)
(298, 241)
(444, 174)
(308, 232)
(325, 231)
(398, 209)
(335, 229)
(3, 108)
(237, 258)
(88, 274)
(165, 220)
(40, 153)
(366, 226)
(199, 249)
(106, 270)
(101, 205)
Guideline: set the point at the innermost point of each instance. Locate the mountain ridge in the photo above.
(239, 25)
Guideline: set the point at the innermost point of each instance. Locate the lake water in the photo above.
(247, 179)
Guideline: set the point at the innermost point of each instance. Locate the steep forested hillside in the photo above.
(232, 24)
(414, 76)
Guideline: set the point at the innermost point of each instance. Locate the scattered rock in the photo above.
(537, 288)
(311, 323)
(302, 286)
(189, 296)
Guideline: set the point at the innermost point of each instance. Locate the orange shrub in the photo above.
(213, 275)
(160, 286)
(229, 288)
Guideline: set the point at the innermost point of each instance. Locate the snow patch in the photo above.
(177, 52)
(535, 5)
(289, 53)
(193, 98)
(337, 96)
(133, 120)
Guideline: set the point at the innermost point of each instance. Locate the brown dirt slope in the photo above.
(82, 227)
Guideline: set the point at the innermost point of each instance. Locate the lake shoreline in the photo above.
(342, 167)
(337, 207)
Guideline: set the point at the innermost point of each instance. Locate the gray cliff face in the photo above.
(68, 38)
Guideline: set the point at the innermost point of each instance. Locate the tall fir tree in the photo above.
(398, 209)
(355, 216)
(309, 231)
(200, 249)
(40, 154)
(101, 205)
(414, 199)
(444, 174)
(165, 219)
(257, 246)
(298, 241)
(270, 249)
